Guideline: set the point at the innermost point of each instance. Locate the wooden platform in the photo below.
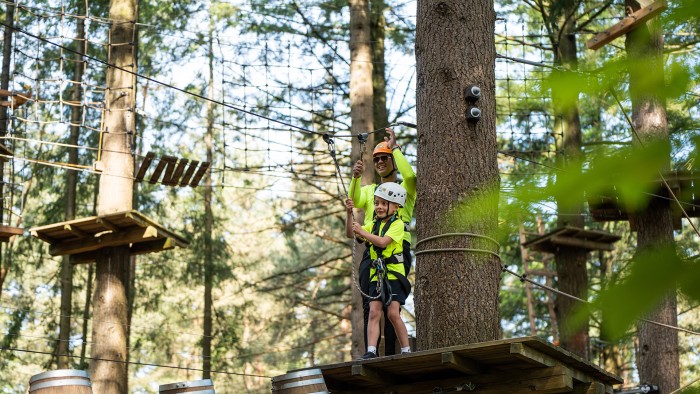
(572, 237)
(519, 365)
(609, 206)
(82, 238)
(6, 232)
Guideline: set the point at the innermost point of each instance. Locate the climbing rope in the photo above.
(331, 150)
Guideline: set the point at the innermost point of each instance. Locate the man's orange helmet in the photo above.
(381, 148)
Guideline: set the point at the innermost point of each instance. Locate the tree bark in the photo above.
(572, 274)
(208, 219)
(4, 84)
(657, 355)
(108, 368)
(71, 191)
(377, 36)
(456, 293)
(362, 118)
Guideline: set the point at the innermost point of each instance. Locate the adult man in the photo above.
(388, 160)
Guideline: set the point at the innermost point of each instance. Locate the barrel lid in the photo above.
(180, 385)
(298, 374)
(58, 383)
(60, 373)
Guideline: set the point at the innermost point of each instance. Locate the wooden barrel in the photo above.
(205, 386)
(308, 381)
(61, 381)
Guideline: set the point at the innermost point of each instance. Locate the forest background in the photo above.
(266, 80)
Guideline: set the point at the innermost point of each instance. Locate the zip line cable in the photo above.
(13, 349)
(663, 179)
(524, 278)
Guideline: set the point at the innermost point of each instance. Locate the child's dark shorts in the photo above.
(397, 291)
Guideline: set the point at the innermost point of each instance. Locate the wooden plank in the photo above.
(581, 243)
(188, 174)
(154, 246)
(175, 178)
(144, 166)
(133, 235)
(626, 24)
(459, 363)
(169, 169)
(589, 388)
(43, 237)
(8, 231)
(526, 353)
(200, 173)
(373, 375)
(158, 171)
(76, 231)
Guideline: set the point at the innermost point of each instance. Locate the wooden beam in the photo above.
(43, 237)
(581, 243)
(589, 388)
(137, 248)
(188, 174)
(10, 231)
(373, 375)
(541, 273)
(460, 363)
(77, 232)
(144, 166)
(131, 236)
(531, 355)
(536, 357)
(625, 25)
(200, 173)
(106, 223)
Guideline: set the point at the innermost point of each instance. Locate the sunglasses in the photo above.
(377, 159)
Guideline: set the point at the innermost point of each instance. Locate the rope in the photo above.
(13, 349)
(331, 149)
(440, 250)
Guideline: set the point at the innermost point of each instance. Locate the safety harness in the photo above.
(381, 264)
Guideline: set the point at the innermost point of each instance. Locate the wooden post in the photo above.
(108, 368)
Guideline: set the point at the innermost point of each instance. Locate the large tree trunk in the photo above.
(71, 190)
(361, 114)
(657, 356)
(108, 368)
(208, 219)
(377, 35)
(4, 84)
(571, 262)
(456, 293)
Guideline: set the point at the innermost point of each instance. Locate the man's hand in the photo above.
(358, 169)
(391, 139)
(349, 205)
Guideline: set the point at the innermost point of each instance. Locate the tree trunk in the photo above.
(377, 35)
(361, 114)
(108, 368)
(456, 293)
(657, 356)
(4, 84)
(571, 262)
(208, 219)
(71, 190)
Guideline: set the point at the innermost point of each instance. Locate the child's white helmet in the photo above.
(392, 192)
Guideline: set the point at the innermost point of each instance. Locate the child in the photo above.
(385, 237)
